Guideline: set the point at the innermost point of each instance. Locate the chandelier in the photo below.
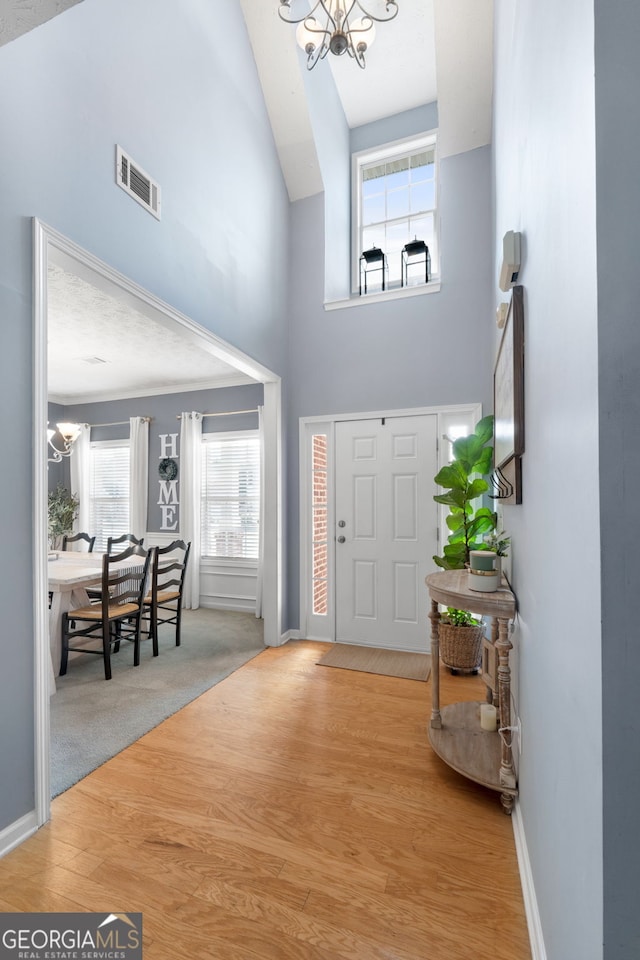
(335, 26)
(69, 433)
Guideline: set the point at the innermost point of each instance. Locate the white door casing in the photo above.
(385, 511)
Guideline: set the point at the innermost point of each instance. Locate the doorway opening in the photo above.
(368, 524)
(51, 246)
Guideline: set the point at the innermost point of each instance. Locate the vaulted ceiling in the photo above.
(433, 50)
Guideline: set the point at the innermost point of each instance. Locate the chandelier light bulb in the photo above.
(328, 28)
(307, 38)
(363, 33)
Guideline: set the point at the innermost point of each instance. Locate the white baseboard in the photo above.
(284, 638)
(238, 605)
(17, 832)
(534, 924)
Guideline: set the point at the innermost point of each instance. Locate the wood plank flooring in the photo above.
(293, 812)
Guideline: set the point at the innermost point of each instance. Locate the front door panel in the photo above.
(384, 497)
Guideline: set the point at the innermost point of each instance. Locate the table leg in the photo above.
(504, 645)
(436, 717)
(61, 602)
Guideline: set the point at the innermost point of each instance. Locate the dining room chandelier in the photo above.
(69, 433)
(338, 27)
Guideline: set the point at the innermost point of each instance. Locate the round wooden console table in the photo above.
(455, 733)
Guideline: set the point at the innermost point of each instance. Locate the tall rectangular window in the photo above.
(231, 495)
(396, 204)
(108, 490)
(319, 531)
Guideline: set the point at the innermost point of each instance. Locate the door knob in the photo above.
(341, 539)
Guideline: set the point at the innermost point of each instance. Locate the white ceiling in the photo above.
(105, 345)
(433, 50)
(20, 16)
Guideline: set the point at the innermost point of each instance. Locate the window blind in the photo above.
(412, 162)
(108, 491)
(230, 496)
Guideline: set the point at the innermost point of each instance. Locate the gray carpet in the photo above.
(92, 719)
(387, 663)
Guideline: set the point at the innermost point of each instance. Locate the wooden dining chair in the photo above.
(117, 543)
(77, 537)
(126, 538)
(163, 603)
(117, 616)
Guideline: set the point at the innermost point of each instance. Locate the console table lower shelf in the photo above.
(469, 750)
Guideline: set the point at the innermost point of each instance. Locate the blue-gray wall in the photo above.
(163, 411)
(617, 71)
(414, 352)
(331, 136)
(181, 95)
(545, 187)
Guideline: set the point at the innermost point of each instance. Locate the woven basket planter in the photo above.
(460, 647)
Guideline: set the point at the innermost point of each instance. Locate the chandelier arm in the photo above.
(356, 54)
(319, 53)
(59, 454)
(309, 15)
(392, 10)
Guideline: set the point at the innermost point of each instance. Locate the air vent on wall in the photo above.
(138, 184)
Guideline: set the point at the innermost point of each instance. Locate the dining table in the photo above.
(71, 572)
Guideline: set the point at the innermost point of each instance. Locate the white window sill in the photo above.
(229, 562)
(400, 293)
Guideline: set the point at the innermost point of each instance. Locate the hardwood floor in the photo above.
(293, 812)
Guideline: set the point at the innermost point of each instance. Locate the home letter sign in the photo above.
(168, 470)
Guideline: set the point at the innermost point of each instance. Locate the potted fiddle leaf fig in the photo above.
(468, 520)
(63, 507)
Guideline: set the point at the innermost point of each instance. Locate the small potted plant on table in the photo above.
(460, 636)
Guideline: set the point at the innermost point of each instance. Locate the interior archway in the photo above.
(52, 247)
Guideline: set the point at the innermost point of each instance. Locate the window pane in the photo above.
(371, 187)
(398, 204)
(373, 209)
(373, 237)
(422, 228)
(231, 497)
(423, 196)
(320, 597)
(320, 486)
(395, 180)
(397, 236)
(108, 492)
(320, 523)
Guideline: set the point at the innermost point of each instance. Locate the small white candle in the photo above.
(488, 716)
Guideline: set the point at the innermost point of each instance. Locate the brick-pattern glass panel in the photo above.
(319, 532)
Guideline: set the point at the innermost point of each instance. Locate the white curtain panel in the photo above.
(138, 475)
(79, 467)
(190, 487)
(260, 520)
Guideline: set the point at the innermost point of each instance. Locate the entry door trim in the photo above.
(312, 627)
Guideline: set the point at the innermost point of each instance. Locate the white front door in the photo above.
(386, 529)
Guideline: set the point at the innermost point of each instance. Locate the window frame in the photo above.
(387, 151)
(103, 445)
(215, 558)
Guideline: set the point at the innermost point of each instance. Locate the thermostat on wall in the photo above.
(510, 260)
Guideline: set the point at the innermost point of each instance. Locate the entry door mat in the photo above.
(387, 663)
